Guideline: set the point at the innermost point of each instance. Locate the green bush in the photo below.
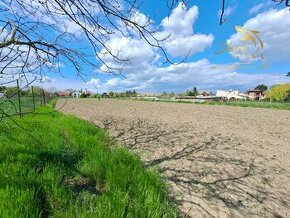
(279, 92)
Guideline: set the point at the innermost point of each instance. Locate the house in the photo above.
(105, 95)
(231, 95)
(76, 94)
(205, 93)
(87, 93)
(255, 94)
(64, 94)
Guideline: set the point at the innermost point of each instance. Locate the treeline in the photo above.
(12, 91)
(112, 94)
(279, 92)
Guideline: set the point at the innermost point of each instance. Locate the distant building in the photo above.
(76, 94)
(255, 94)
(231, 95)
(105, 95)
(64, 94)
(205, 93)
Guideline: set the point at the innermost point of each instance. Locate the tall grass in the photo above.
(60, 166)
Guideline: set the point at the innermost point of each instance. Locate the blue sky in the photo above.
(195, 28)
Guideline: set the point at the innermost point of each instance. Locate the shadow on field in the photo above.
(214, 173)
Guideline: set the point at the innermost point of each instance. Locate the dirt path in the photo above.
(220, 161)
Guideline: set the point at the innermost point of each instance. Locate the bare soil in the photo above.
(219, 161)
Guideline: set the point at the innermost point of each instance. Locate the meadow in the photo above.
(54, 165)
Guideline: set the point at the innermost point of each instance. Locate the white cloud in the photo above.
(256, 8)
(181, 20)
(228, 11)
(188, 45)
(137, 52)
(202, 74)
(145, 73)
(182, 40)
(273, 26)
(181, 43)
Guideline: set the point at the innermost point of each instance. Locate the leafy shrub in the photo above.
(279, 92)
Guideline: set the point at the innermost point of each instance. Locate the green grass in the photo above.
(256, 104)
(60, 166)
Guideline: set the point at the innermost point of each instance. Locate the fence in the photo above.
(19, 101)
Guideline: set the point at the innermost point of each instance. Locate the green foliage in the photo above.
(122, 94)
(279, 92)
(172, 94)
(12, 91)
(111, 94)
(61, 166)
(37, 91)
(192, 92)
(2, 88)
(96, 96)
(83, 95)
(262, 87)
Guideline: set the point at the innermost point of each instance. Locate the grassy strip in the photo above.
(255, 104)
(61, 166)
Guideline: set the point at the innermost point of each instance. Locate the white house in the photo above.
(76, 94)
(231, 95)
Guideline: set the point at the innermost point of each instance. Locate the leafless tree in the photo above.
(37, 36)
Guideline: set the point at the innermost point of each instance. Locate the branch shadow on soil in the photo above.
(208, 173)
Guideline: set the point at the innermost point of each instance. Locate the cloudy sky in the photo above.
(217, 56)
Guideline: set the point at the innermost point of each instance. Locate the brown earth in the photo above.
(219, 161)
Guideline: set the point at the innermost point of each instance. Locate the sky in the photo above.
(210, 56)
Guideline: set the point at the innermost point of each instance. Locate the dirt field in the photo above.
(219, 161)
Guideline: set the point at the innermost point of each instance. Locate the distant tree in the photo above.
(172, 94)
(2, 88)
(194, 91)
(122, 94)
(12, 91)
(279, 92)
(83, 95)
(164, 94)
(288, 74)
(262, 87)
(188, 93)
(37, 91)
(111, 94)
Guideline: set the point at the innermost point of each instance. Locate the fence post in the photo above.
(19, 100)
(33, 100)
(43, 93)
